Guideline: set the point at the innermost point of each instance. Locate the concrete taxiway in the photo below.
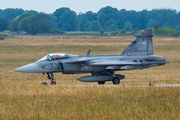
(123, 85)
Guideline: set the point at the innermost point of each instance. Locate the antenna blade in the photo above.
(88, 53)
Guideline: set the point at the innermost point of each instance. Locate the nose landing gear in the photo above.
(50, 77)
(44, 83)
(53, 83)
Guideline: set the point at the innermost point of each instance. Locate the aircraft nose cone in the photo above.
(30, 68)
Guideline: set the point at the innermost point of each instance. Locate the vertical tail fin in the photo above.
(141, 46)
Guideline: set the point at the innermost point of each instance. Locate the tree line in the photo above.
(106, 19)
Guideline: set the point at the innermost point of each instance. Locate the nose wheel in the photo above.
(53, 83)
(44, 83)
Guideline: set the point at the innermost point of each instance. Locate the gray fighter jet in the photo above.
(138, 55)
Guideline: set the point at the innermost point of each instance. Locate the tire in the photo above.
(101, 83)
(53, 83)
(116, 81)
(43, 83)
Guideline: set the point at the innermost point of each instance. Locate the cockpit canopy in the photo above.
(53, 56)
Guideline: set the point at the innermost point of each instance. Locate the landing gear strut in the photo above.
(115, 80)
(51, 77)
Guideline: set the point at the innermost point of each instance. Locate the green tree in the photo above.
(31, 12)
(55, 31)
(54, 20)
(155, 16)
(24, 24)
(166, 24)
(40, 23)
(1, 13)
(152, 22)
(12, 26)
(122, 31)
(106, 13)
(142, 21)
(95, 26)
(167, 31)
(177, 18)
(90, 16)
(60, 11)
(178, 27)
(101, 31)
(122, 17)
(3, 24)
(113, 27)
(66, 19)
(87, 26)
(24, 16)
(110, 22)
(102, 18)
(128, 26)
(169, 18)
(134, 18)
(11, 13)
(82, 24)
(156, 27)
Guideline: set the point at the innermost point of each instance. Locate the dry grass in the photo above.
(63, 102)
(22, 97)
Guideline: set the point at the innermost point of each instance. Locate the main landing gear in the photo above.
(50, 77)
(101, 83)
(116, 81)
(115, 78)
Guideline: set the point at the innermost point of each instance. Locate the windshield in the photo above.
(54, 56)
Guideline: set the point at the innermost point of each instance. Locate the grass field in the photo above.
(21, 96)
(7, 36)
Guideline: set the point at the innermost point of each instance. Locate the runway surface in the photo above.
(122, 85)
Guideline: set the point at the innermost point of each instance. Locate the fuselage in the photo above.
(83, 64)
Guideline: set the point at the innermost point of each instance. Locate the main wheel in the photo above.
(116, 81)
(43, 83)
(101, 83)
(53, 83)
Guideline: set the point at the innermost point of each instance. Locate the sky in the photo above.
(49, 6)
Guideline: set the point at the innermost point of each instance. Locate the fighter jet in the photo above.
(138, 55)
